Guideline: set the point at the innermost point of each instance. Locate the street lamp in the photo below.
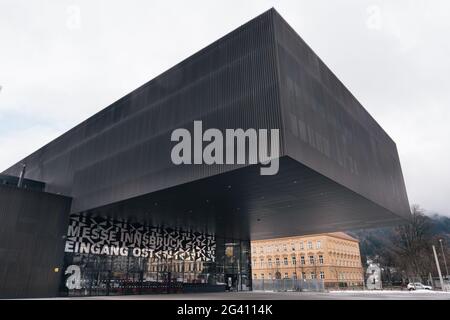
(445, 260)
(438, 268)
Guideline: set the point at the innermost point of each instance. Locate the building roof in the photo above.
(341, 235)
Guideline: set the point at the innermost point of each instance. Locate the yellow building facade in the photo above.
(333, 257)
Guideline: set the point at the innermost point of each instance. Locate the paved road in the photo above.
(341, 295)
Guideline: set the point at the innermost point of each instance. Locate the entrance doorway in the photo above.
(232, 283)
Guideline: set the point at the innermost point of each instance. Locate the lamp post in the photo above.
(445, 260)
(438, 268)
(22, 175)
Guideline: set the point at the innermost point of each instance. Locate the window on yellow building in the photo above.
(311, 259)
(294, 260)
(318, 244)
(285, 261)
(310, 245)
(302, 260)
(321, 259)
(322, 275)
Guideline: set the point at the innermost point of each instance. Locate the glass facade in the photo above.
(149, 260)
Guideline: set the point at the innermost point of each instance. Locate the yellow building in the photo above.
(333, 257)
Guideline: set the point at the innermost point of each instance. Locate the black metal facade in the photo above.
(339, 169)
(32, 229)
(124, 150)
(328, 130)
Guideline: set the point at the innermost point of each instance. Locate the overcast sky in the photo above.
(62, 61)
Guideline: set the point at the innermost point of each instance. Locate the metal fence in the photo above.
(436, 284)
(314, 285)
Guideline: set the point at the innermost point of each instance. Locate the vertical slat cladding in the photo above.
(124, 150)
(328, 130)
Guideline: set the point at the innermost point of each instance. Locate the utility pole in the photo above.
(438, 268)
(445, 260)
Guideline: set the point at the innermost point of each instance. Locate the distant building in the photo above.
(333, 257)
(373, 276)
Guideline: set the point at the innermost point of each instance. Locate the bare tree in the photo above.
(411, 245)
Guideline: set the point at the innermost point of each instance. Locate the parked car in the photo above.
(418, 286)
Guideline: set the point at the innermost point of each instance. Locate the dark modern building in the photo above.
(104, 210)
